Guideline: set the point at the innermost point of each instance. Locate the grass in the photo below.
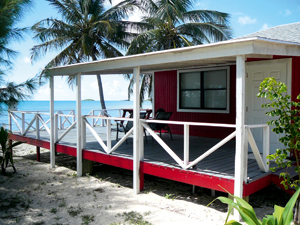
(75, 211)
(133, 217)
(86, 219)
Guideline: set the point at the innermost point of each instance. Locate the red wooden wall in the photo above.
(166, 98)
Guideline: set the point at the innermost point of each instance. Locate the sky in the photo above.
(247, 16)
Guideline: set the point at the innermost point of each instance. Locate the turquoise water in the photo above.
(87, 106)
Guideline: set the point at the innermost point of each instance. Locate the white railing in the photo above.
(261, 159)
(99, 114)
(40, 122)
(106, 147)
(185, 163)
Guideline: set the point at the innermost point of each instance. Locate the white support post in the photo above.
(153, 97)
(186, 133)
(240, 128)
(136, 133)
(246, 153)
(52, 137)
(78, 122)
(37, 127)
(266, 146)
(108, 144)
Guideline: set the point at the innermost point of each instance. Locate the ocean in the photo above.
(87, 107)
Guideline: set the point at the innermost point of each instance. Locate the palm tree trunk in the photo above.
(101, 94)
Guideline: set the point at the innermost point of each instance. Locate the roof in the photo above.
(284, 33)
(281, 40)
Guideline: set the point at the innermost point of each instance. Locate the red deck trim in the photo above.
(184, 176)
(30, 141)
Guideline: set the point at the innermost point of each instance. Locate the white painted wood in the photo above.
(257, 72)
(56, 121)
(45, 125)
(246, 143)
(29, 125)
(37, 127)
(266, 146)
(186, 145)
(117, 145)
(240, 128)
(164, 145)
(78, 122)
(16, 122)
(52, 138)
(211, 150)
(108, 135)
(136, 125)
(255, 151)
(23, 123)
(141, 147)
(9, 121)
(83, 133)
(96, 136)
(153, 97)
(66, 132)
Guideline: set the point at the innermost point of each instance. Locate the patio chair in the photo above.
(160, 126)
(121, 127)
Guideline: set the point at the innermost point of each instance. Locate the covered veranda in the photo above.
(223, 53)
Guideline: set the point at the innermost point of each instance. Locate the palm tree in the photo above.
(86, 32)
(172, 25)
(11, 12)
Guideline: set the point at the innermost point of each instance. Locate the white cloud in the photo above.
(265, 26)
(27, 60)
(288, 12)
(246, 20)
(202, 5)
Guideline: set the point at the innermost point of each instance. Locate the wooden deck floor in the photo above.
(219, 164)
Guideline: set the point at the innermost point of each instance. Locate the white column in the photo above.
(79, 125)
(153, 97)
(240, 124)
(136, 133)
(52, 137)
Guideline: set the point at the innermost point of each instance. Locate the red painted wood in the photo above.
(66, 149)
(108, 159)
(189, 177)
(257, 185)
(166, 98)
(31, 141)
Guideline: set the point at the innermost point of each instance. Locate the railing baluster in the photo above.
(37, 126)
(9, 121)
(108, 144)
(186, 144)
(55, 128)
(83, 132)
(23, 123)
(266, 146)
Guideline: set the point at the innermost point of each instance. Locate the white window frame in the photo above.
(205, 110)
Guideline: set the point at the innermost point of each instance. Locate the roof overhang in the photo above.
(219, 53)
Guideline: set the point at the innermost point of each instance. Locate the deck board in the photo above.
(220, 163)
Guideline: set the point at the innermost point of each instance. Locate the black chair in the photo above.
(121, 127)
(160, 126)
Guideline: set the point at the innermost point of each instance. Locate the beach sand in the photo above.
(37, 194)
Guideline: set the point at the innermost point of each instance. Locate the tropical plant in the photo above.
(11, 12)
(281, 216)
(7, 150)
(286, 121)
(87, 31)
(174, 24)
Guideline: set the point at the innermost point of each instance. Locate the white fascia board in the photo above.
(115, 65)
(275, 48)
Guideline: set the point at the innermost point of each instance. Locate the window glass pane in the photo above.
(215, 99)
(190, 80)
(190, 99)
(215, 79)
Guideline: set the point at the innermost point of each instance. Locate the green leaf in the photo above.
(233, 222)
(287, 215)
(278, 212)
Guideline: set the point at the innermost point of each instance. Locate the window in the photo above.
(204, 90)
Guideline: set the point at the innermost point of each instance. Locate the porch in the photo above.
(200, 161)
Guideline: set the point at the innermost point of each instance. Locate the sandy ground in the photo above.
(37, 194)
